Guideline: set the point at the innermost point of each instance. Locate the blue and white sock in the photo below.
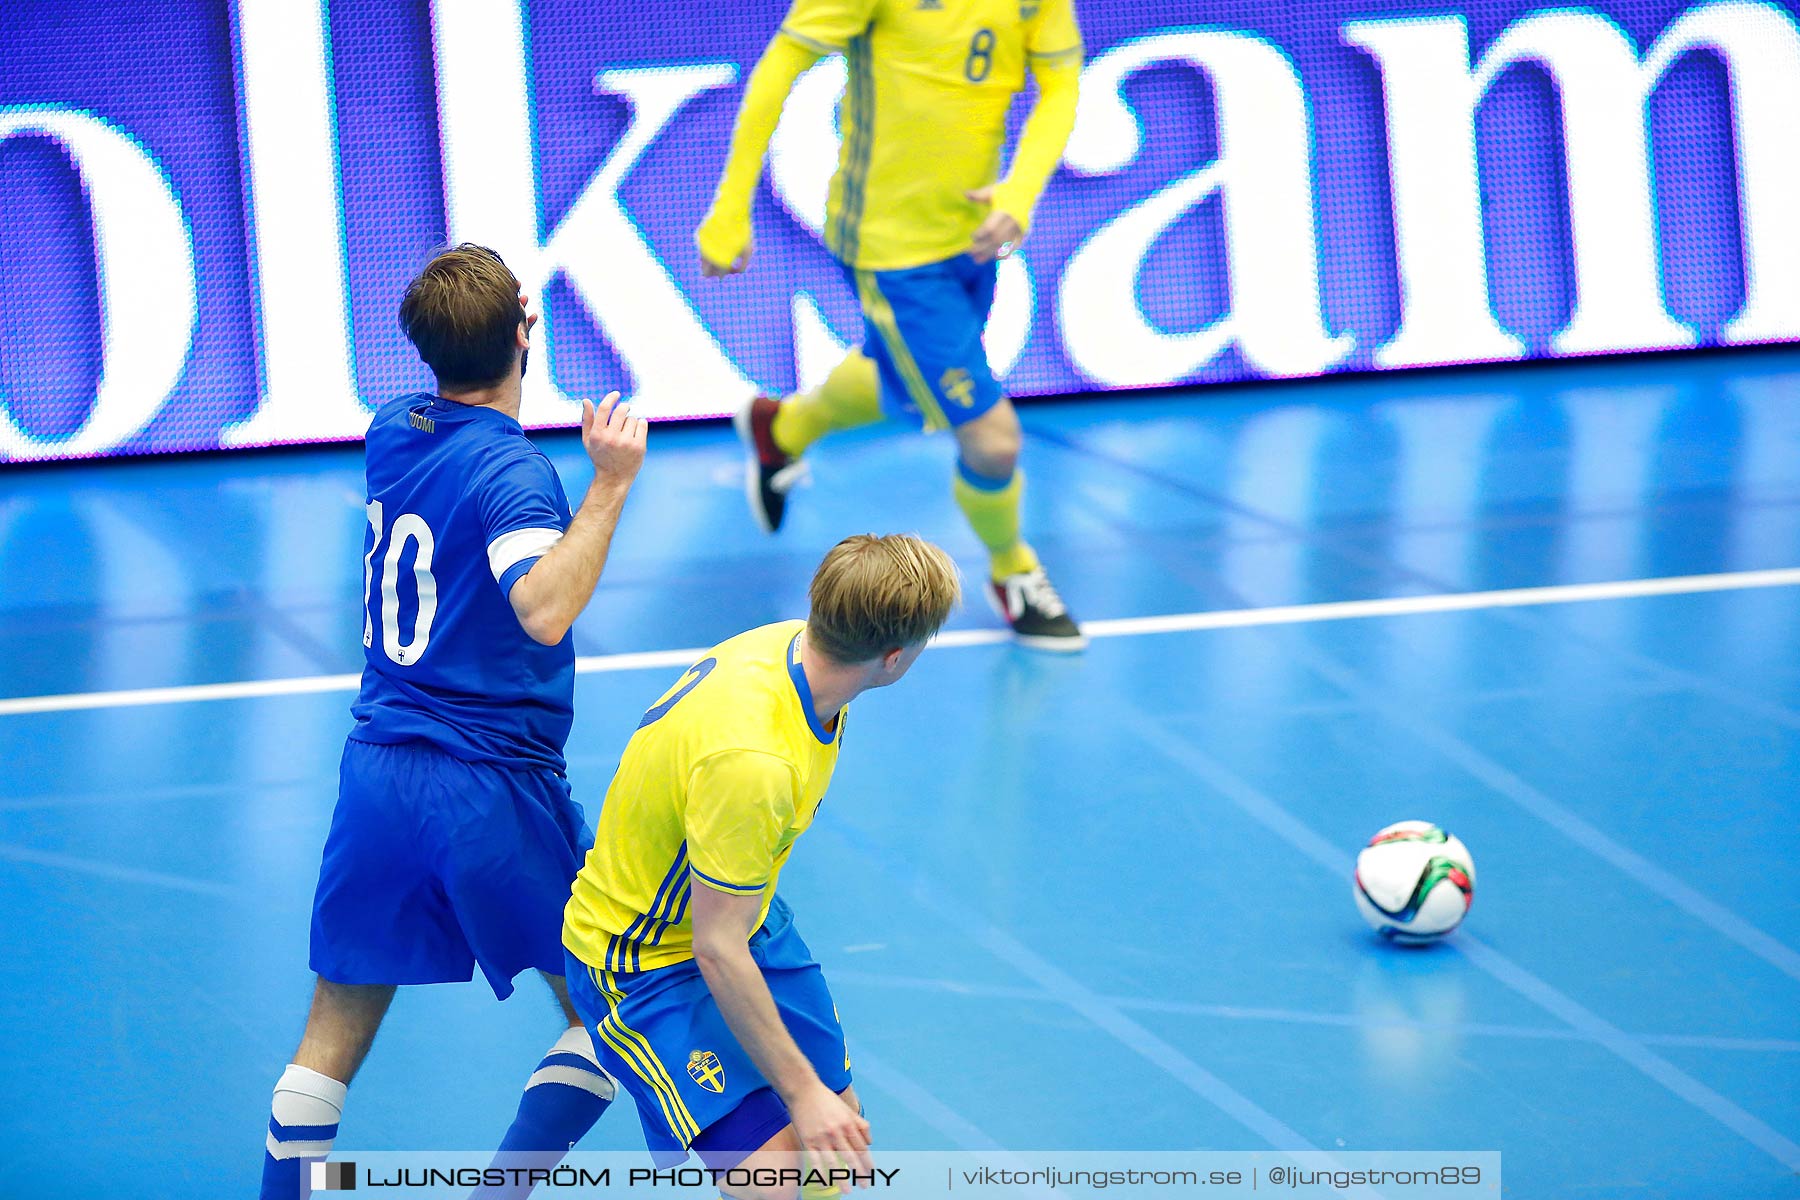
(303, 1122)
(563, 1098)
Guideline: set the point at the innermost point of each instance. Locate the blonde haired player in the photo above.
(918, 215)
(682, 960)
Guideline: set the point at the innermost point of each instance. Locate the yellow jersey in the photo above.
(722, 774)
(924, 114)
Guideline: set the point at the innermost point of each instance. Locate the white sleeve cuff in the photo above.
(510, 549)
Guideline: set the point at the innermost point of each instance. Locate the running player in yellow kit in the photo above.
(683, 962)
(918, 216)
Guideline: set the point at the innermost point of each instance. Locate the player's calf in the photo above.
(990, 444)
(303, 1123)
(563, 1098)
(309, 1097)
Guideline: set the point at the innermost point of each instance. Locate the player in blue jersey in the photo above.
(455, 837)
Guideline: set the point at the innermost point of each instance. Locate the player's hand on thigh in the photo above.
(997, 236)
(830, 1131)
(613, 438)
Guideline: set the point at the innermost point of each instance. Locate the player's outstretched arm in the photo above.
(1041, 146)
(824, 1123)
(724, 234)
(549, 596)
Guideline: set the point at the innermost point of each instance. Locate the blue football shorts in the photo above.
(660, 1033)
(923, 327)
(434, 864)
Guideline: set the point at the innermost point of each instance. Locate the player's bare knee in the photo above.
(998, 463)
(990, 445)
(994, 455)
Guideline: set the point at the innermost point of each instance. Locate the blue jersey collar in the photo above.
(474, 412)
(804, 690)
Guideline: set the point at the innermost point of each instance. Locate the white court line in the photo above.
(916, 1099)
(926, 1106)
(1099, 1012)
(1589, 837)
(1236, 618)
(1263, 809)
(106, 870)
(1291, 1016)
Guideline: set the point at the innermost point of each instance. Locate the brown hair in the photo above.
(875, 594)
(461, 313)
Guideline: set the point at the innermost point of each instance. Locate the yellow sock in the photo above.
(850, 396)
(992, 507)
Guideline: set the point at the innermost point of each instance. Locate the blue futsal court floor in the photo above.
(1095, 903)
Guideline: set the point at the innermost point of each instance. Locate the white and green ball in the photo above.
(1414, 882)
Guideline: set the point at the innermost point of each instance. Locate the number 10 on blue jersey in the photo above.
(407, 527)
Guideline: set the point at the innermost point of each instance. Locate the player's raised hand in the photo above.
(830, 1131)
(997, 236)
(613, 438)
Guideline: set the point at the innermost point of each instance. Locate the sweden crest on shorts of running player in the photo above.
(707, 1071)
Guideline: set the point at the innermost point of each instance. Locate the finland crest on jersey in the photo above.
(460, 505)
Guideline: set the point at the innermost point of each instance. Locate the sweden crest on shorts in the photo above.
(957, 384)
(707, 1071)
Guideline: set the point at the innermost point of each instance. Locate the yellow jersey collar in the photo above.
(803, 690)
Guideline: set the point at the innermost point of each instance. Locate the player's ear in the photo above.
(890, 662)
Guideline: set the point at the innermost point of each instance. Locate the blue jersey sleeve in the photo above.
(523, 513)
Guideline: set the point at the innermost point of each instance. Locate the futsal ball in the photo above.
(1414, 882)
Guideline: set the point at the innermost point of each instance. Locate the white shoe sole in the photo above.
(1052, 645)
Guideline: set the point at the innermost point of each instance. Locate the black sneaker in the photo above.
(770, 474)
(1038, 616)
